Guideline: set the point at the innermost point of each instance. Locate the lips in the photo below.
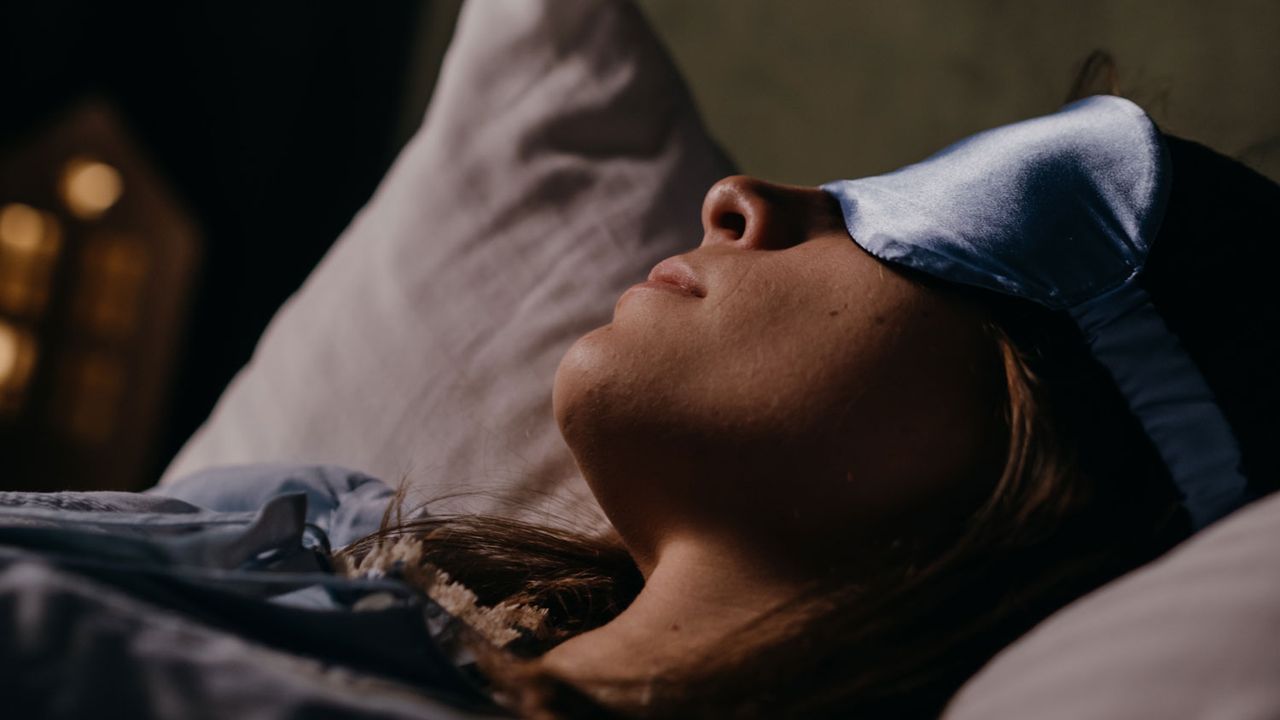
(675, 271)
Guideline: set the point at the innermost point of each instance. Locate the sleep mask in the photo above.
(1062, 210)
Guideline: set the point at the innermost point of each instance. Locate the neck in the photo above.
(695, 597)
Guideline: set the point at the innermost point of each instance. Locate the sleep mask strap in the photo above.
(1170, 398)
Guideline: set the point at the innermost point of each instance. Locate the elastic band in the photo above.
(1170, 397)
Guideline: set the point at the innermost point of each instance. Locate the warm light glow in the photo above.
(89, 187)
(10, 346)
(17, 357)
(22, 228)
(29, 243)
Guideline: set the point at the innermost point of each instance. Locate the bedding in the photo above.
(213, 596)
(153, 606)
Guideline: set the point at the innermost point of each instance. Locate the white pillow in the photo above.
(561, 158)
(1194, 635)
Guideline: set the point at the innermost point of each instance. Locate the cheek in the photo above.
(927, 432)
(805, 358)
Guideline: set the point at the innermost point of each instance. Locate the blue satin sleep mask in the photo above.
(1061, 210)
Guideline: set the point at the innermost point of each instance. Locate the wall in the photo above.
(812, 90)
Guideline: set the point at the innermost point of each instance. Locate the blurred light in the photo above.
(89, 187)
(9, 348)
(30, 240)
(17, 357)
(21, 227)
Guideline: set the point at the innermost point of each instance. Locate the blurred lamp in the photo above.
(89, 187)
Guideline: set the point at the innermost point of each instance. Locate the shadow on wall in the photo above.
(823, 89)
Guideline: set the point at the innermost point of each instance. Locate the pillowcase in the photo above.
(1195, 634)
(561, 158)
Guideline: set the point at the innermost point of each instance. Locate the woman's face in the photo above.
(803, 387)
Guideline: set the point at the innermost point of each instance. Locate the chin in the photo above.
(578, 377)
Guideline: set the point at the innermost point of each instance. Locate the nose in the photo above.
(753, 214)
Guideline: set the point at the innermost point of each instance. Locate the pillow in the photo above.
(561, 158)
(1195, 634)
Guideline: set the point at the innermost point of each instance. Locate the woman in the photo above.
(840, 484)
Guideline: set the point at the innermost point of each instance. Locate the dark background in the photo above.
(272, 121)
